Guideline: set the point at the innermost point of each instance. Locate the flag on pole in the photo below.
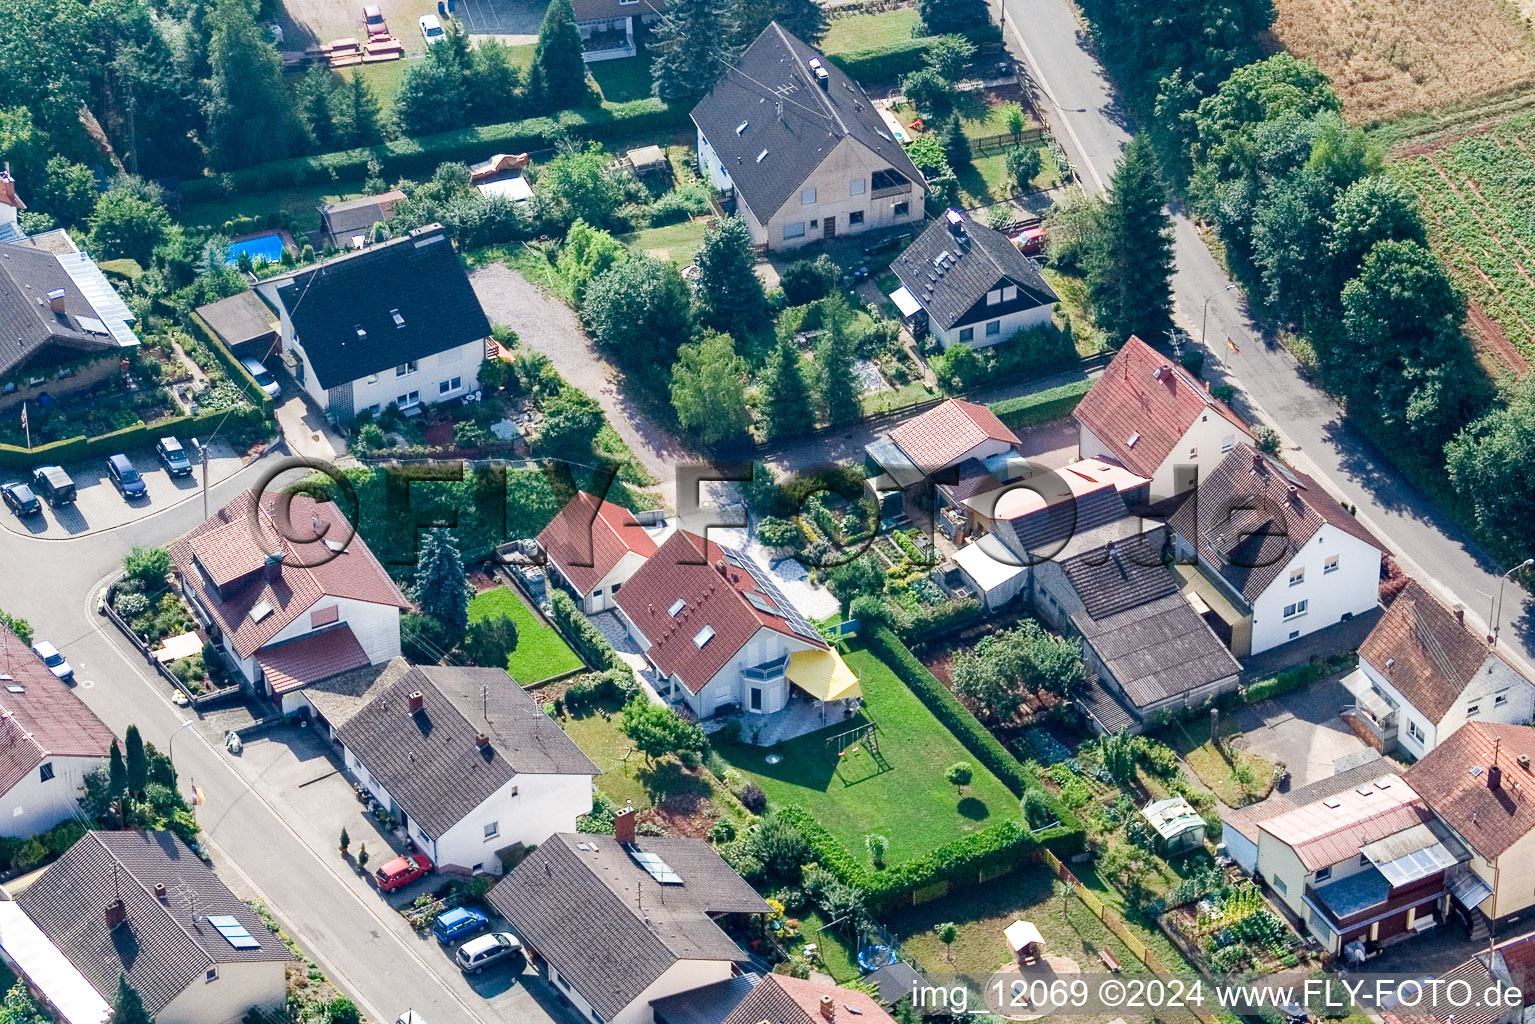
(24, 425)
(198, 796)
(1233, 346)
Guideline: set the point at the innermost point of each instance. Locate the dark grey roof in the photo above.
(1047, 532)
(164, 945)
(30, 331)
(951, 267)
(601, 10)
(429, 761)
(240, 318)
(1119, 576)
(966, 480)
(774, 72)
(708, 1005)
(895, 981)
(1158, 649)
(418, 276)
(352, 217)
(1246, 819)
(1105, 706)
(610, 928)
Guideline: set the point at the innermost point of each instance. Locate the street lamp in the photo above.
(1205, 315)
(1497, 619)
(170, 746)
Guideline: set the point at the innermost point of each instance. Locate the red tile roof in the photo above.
(1129, 401)
(308, 570)
(713, 586)
(782, 999)
(44, 720)
(940, 436)
(310, 658)
(1331, 830)
(1427, 654)
(589, 537)
(1491, 820)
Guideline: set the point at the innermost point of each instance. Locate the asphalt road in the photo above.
(1081, 107)
(365, 948)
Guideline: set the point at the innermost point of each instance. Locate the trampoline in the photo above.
(872, 958)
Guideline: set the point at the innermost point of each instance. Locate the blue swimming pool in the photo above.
(266, 247)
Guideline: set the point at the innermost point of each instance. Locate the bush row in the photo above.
(1295, 678)
(954, 715)
(233, 368)
(75, 449)
(1040, 407)
(25, 854)
(892, 60)
(937, 620)
(594, 648)
(418, 158)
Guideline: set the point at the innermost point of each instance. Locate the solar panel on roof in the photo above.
(765, 584)
(233, 931)
(656, 867)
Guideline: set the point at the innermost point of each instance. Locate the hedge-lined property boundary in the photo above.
(74, 449)
(420, 157)
(235, 370)
(1042, 406)
(891, 61)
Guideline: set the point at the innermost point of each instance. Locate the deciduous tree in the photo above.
(941, 16)
(657, 730)
(709, 389)
(490, 640)
(129, 220)
(1492, 467)
(249, 119)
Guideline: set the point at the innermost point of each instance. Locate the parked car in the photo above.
(373, 21)
(458, 923)
(263, 377)
(402, 871)
(431, 29)
(173, 457)
(125, 478)
(477, 954)
(410, 1017)
(54, 660)
(20, 499)
(54, 485)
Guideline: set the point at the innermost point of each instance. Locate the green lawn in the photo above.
(680, 241)
(541, 652)
(860, 31)
(625, 777)
(622, 80)
(384, 78)
(896, 398)
(303, 200)
(907, 801)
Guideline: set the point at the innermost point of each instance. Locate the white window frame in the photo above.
(794, 229)
(1009, 293)
(856, 187)
(449, 386)
(1323, 874)
(1228, 442)
(1472, 710)
(1500, 698)
(1297, 576)
(1415, 732)
(409, 400)
(901, 209)
(1296, 610)
(1284, 890)
(212, 974)
(807, 197)
(406, 369)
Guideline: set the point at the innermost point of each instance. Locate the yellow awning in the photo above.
(823, 675)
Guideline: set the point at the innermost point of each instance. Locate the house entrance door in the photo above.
(831, 227)
(755, 699)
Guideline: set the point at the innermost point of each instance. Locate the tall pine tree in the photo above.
(249, 117)
(745, 20)
(689, 50)
(127, 1006)
(786, 408)
(834, 356)
(558, 78)
(730, 294)
(442, 591)
(1130, 268)
(117, 772)
(137, 767)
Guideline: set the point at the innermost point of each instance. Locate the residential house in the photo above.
(617, 922)
(348, 224)
(957, 445)
(1149, 415)
(775, 998)
(1241, 833)
(1489, 988)
(141, 905)
(1422, 674)
(52, 741)
(1277, 556)
(1479, 782)
(245, 324)
(593, 547)
(288, 612)
(722, 636)
(608, 26)
(11, 207)
(971, 282)
(463, 757)
(1148, 651)
(801, 148)
(1363, 865)
(395, 324)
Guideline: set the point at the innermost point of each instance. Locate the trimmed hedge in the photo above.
(594, 648)
(74, 449)
(1040, 407)
(893, 60)
(233, 368)
(420, 157)
(1295, 678)
(955, 716)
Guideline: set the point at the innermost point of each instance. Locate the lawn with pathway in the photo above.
(541, 652)
(907, 800)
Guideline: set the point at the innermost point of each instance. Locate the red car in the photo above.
(402, 871)
(373, 21)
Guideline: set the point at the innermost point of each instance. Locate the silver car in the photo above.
(479, 953)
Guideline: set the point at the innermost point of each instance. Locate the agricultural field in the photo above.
(1388, 57)
(1478, 196)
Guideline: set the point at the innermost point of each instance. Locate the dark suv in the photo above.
(54, 485)
(125, 478)
(173, 457)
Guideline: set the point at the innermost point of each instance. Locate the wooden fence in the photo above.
(1007, 140)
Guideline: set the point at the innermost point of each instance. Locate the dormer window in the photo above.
(399, 321)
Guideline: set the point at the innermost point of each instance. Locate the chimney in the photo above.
(719, 567)
(1524, 761)
(956, 223)
(828, 1008)
(273, 566)
(416, 701)
(481, 741)
(10, 202)
(116, 913)
(821, 77)
(159, 890)
(623, 824)
(1460, 614)
(56, 300)
(1494, 777)
(1257, 463)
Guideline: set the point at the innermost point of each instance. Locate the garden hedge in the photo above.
(420, 157)
(233, 368)
(1295, 678)
(1040, 407)
(594, 648)
(74, 449)
(894, 60)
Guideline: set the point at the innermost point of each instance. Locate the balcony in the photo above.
(904, 188)
(766, 673)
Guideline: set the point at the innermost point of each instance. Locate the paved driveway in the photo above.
(99, 507)
(511, 21)
(1302, 729)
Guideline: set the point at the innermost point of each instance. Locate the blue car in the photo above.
(452, 925)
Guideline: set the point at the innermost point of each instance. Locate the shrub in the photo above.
(805, 281)
(779, 533)
(1193, 360)
(131, 605)
(753, 798)
(1267, 438)
(594, 648)
(149, 566)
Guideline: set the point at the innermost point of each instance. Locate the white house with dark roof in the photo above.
(468, 761)
(395, 324)
(289, 612)
(1422, 674)
(616, 922)
(802, 148)
(594, 547)
(608, 26)
(141, 905)
(970, 285)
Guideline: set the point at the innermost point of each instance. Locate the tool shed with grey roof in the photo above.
(611, 931)
(141, 904)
